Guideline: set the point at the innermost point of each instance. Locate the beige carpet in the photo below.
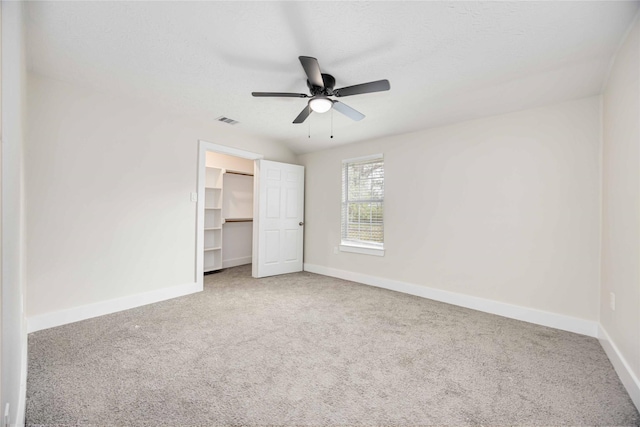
(308, 350)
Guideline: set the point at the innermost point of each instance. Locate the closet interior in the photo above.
(228, 217)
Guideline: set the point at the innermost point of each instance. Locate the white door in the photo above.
(278, 234)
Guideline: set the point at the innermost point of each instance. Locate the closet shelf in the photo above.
(212, 251)
(238, 172)
(238, 220)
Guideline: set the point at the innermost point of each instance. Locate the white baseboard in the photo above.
(75, 314)
(226, 263)
(531, 315)
(627, 377)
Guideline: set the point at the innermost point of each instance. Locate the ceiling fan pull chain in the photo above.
(309, 135)
(332, 123)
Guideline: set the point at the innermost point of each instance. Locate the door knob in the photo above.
(301, 223)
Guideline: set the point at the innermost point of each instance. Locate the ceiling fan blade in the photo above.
(348, 111)
(280, 94)
(303, 115)
(312, 69)
(377, 86)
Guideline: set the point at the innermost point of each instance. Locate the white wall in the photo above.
(505, 208)
(108, 184)
(224, 161)
(621, 207)
(14, 336)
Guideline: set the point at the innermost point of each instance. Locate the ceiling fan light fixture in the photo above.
(320, 105)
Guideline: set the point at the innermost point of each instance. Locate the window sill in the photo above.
(361, 249)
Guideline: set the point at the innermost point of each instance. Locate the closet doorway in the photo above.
(225, 208)
(249, 211)
(228, 217)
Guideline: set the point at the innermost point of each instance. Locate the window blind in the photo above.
(363, 201)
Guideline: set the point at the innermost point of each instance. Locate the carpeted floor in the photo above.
(308, 350)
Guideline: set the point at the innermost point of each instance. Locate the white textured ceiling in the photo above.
(446, 61)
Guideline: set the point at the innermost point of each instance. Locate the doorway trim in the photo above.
(203, 147)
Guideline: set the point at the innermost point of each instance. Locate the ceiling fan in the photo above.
(321, 88)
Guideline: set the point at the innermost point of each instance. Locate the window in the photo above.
(363, 205)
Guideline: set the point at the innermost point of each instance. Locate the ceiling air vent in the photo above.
(226, 120)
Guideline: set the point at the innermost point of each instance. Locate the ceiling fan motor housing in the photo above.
(327, 90)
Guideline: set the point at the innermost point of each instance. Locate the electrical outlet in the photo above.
(612, 301)
(194, 197)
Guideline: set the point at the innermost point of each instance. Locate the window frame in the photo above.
(361, 247)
